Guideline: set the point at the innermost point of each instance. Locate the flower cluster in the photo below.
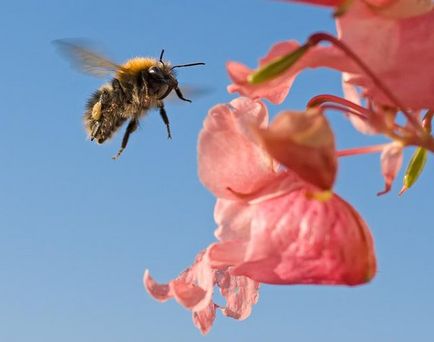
(278, 219)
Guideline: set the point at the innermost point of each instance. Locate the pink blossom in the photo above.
(286, 230)
(277, 89)
(403, 43)
(278, 223)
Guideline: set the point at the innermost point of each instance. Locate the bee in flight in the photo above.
(138, 85)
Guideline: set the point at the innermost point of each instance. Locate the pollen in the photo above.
(96, 111)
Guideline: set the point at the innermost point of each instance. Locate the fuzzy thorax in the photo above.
(135, 65)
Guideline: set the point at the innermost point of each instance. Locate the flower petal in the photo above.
(277, 89)
(188, 294)
(296, 239)
(397, 9)
(241, 294)
(193, 289)
(303, 142)
(229, 159)
(233, 218)
(391, 162)
(352, 94)
(160, 292)
(398, 42)
(204, 319)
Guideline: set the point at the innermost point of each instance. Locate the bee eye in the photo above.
(156, 73)
(153, 70)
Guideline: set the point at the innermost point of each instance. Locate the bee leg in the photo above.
(95, 130)
(132, 126)
(165, 118)
(97, 113)
(178, 92)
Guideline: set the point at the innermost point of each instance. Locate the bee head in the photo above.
(160, 77)
(162, 74)
(160, 80)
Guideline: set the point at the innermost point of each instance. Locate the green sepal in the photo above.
(414, 168)
(277, 67)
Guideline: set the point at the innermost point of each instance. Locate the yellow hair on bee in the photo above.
(135, 65)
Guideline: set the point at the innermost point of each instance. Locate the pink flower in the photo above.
(277, 89)
(404, 44)
(281, 228)
(278, 221)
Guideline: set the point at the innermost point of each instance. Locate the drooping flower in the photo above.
(278, 220)
(403, 43)
(290, 228)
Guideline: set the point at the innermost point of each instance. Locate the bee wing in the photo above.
(85, 59)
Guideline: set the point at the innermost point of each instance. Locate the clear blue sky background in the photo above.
(77, 229)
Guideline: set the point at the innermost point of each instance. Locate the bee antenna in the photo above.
(161, 56)
(187, 65)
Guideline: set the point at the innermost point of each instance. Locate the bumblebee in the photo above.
(139, 85)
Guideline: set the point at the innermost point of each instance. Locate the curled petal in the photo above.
(296, 239)
(188, 294)
(193, 289)
(160, 292)
(229, 158)
(303, 142)
(391, 162)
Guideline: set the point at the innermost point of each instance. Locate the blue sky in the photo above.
(77, 229)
